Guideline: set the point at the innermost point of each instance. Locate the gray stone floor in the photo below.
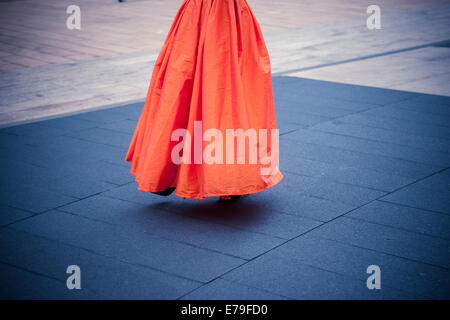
(366, 183)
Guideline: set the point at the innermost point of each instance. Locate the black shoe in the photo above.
(165, 193)
(232, 198)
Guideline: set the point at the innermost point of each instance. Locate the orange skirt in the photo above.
(211, 82)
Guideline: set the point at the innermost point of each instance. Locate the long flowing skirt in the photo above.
(211, 91)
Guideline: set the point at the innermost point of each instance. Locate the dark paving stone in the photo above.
(119, 161)
(69, 123)
(43, 156)
(103, 171)
(124, 126)
(137, 217)
(410, 245)
(102, 116)
(385, 135)
(32, 199)
(285, 127)
(129, 192)
(11, 141)
(79, 186)
(130, 111)
(399, 126)
(19, 284)
(299, 150)
(394, 112)
(439, 182)
(340, 91)
(15, 172)
(406, 218)
(204, 234)
(418, 280)
(256, 205)
(9, 214)
(130, 246)
(37, 140)
(104, 136)
(55, 148)
(235, 242)
(303, 120)
(296, 280)
(421, 198)
(221, 289)
(432, 99)
(282, 96)
(35, 130)
(107, 277)
(334, 191)
(85, 151)
(340, 172)
(64, 174)
(289, 198)
(49, 163)
(297, 107)
(428, 104)
(370, 147)
(257, 213)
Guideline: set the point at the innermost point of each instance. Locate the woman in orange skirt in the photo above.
(208, 124)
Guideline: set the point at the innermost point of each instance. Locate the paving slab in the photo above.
(259, 213)
(394, 112)
(421, 198)
(427, 104)
(105, 136)
(19, 284)
(413, 279)
(301, 204)
(397, 125)
(362, 145)
(437, 182)
(33, 199)
(353, 93)
(406, 218)
(335, 191)
(35, 130)
(340, 172)
(296, 280)
(401, 243)
(353, 158)
(385, 135)
(68, 123)
(140, 248)
(221, 289)
(10, 215)
(131, 217)
(101, 276)
(287, 99)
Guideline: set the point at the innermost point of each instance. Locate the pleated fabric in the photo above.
(214, 67)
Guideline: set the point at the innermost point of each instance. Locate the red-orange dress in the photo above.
(214, 69)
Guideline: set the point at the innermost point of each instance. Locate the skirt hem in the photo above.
(256, 189)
